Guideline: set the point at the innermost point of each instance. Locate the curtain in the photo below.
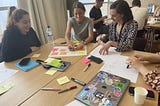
(44, 13)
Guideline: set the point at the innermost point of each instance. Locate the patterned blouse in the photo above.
(126, 39)
(153, 79)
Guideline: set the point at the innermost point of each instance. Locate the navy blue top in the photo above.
(16, 45)
(96, 13)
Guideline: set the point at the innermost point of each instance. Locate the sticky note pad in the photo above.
(51, 72)
(54, 62)
(85, 60)
(63, 80)
(36, 55)
(4, 88)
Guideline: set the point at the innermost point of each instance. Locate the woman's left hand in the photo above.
(104, 49)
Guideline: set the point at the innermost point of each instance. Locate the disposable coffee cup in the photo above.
(140, 94)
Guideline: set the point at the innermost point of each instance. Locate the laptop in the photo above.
(104, 89)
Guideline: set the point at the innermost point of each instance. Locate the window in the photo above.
(90, 3)
(4, 4)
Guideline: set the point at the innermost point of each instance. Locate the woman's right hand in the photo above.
(70, 45)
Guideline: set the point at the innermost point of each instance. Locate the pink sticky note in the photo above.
(85, 60)
(54, 49)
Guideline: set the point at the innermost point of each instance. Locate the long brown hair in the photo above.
(16, 16)
(10, 11)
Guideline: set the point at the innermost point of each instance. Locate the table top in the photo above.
(27, 84)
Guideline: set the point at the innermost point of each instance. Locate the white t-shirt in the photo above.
(139, 15)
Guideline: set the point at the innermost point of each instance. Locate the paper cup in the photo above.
(140, 95)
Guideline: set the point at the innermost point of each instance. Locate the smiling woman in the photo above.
(19, 38)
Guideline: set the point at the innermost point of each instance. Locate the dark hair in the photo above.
(136, 3)
(123, 8)
(10, 11)
(78, 5)
(17, 15)
(99, 0)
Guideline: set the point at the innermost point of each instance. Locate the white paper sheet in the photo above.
(5, 73)
(111, 52)
(75, 103)
(117, 65)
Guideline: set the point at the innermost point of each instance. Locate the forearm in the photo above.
(113, 43)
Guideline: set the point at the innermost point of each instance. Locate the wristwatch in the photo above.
(84, 42)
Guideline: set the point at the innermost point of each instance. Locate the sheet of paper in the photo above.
(63, 80)
(5, 87)
(5, 72)
(51, 72)
(111, 52)
(116, 65)
(75, 103)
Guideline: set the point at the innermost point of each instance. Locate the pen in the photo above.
(68, 89)
(86, 68)
(50, 89)
(78, 81)
(128, 66)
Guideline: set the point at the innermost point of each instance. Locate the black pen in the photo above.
(78, 81)
(128, 66)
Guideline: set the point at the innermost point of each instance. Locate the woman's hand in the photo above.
(104, 49)
(80, 46)
(70, 45)
(136, 63)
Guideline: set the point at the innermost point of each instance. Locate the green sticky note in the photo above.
(54, 62)
(4, 88)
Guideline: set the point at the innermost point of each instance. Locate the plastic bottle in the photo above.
(49, 34)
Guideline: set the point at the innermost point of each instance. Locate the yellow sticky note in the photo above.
(36, 55)
(63, 80)
(4, 88)
(51, 72)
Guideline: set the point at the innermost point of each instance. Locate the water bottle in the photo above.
(49, 34)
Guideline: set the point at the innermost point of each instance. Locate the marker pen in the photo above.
(78, 81)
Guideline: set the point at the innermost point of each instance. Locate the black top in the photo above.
(16, 45)
(95, 14)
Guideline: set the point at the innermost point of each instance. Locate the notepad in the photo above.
(27, 67)
(63, 80)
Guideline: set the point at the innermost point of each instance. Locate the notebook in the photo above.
(104, 89)
(27, 67)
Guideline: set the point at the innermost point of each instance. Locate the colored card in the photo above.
(4, 88)
(51, 72)
(63, 80)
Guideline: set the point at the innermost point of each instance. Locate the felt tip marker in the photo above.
(86, 68)
(128, 66)
(50, 89)
(68, 89)
(78, 81)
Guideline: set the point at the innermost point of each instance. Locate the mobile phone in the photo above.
(150, 94)
(24, 61)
